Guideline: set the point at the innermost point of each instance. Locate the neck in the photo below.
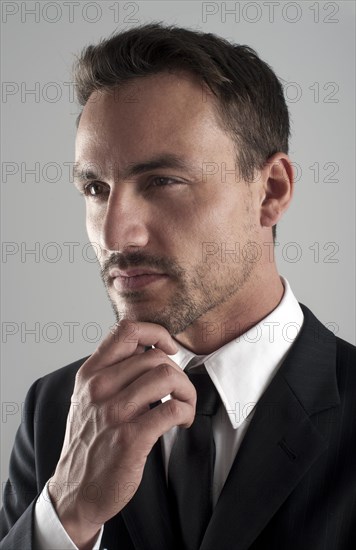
(256, 300)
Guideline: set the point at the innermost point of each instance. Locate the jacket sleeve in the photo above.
(21, 489)
(35, 454)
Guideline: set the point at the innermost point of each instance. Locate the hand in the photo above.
(111, 428)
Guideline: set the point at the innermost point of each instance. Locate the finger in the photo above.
(156, 384)
(125, 340)
(164, 417)
(105, 384)
(140, 349)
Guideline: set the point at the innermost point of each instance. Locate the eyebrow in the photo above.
(80, 173)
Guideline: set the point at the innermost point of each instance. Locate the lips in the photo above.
(132, 279)
(132, 272)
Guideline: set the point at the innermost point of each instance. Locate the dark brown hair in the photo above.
(250, 101)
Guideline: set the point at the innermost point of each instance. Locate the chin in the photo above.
(138, 312)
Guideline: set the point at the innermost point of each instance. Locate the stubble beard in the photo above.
(194, 296)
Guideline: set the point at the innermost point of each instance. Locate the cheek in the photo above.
(89, 227)
(217, 219)
(186, 234)
(198, 218)
(93, 227)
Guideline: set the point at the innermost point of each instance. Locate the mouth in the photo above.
(132, 279)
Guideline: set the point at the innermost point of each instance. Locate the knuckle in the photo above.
(174, 408)
(81, 376)
(128, 411)
(95, 388)
(99, 351)
(192, 394)
(128, 331)
(164, 370)
(190, 417)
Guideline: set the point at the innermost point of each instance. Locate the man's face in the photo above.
(167, 204)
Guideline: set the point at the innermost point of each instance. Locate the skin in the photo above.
(158, 220)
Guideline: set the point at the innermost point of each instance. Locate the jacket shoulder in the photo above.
(60, 381)
(346, 365)
(345, 349)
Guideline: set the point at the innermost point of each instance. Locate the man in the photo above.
(182, 154)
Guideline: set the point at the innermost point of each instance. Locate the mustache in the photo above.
(138, 259)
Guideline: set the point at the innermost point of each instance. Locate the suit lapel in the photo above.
(281, 443)
(147, 515)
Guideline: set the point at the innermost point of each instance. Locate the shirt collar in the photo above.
(243, 368)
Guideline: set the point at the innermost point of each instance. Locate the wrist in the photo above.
(80, 528)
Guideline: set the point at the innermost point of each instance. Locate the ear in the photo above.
(278, 186)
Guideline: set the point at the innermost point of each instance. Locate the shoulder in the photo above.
(64, 376)
(322, 334)
(345, 350)
(346, 366)
(330, 350)
(320, 345)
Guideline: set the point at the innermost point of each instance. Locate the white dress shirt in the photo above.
(241, 370)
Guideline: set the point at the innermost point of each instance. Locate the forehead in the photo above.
(172, 91)
(167, 111)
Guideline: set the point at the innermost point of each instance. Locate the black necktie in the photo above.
(191, 466)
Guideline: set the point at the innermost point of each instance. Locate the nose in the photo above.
(124, 225)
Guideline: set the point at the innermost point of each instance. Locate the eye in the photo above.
(95, 189)
(161, 181)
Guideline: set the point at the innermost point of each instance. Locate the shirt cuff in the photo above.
(49, 533)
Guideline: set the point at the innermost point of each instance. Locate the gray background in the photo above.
(56, 291)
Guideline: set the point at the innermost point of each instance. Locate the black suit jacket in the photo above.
(292, 485)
